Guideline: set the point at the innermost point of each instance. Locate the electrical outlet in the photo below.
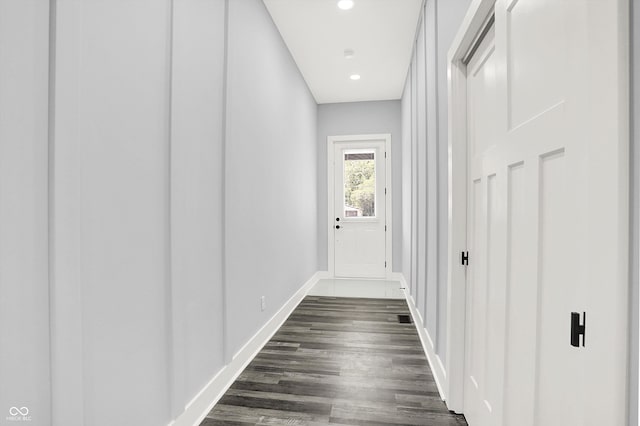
(263, 303)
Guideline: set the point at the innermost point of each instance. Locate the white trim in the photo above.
(322, 275)
(435, 362)
(198, 408)
(471, 26)
(386, 137)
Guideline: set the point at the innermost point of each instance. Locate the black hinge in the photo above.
(385, 263)
(464, 258)
(578, 329)
(385, 228)
(385, 191)
(385, 154)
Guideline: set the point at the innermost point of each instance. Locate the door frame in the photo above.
(331, 141)
(471, 28)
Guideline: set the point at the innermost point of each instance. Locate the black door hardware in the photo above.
(337, 226)
(464, 258)
(578, 329)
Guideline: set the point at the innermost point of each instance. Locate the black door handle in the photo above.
(578, 329)
(337, 226)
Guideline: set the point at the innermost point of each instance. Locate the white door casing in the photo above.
(359, 247)
(546, 195)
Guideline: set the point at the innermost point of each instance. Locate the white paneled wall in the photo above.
(405, 178)
(432, 184)
(413, 274)
(196, 192)
(112, 134)
(270, 173)
(24, 295)
(425, 173)
(114, 295)
(635, 213)
(420, 95)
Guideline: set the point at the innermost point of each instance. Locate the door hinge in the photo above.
(385, 154)
(385, 263)
(385, 228)
(385, 191)
(578, 329)
(464, 258)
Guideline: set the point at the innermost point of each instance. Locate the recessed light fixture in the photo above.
(348, 53)
(345, 4)
(354, 76)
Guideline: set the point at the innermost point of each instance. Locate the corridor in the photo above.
(185, 183)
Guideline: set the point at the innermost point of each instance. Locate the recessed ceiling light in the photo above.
(345, 4)
(348, 53)
(355, 77)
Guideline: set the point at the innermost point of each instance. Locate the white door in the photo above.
(359, 214)
(482, 114)
(547, 217)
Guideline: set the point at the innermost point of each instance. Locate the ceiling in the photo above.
(380, 32)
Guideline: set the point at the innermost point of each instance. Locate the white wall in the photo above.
(111, 198)
(270, 210)
(359, 118)
(424, 118)
(24, 292)
(174, 184)
(197, 132)
(420, 152)
(635, 210)
(406, 236)
(433, 170)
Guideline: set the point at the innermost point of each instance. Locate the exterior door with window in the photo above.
(359, 218)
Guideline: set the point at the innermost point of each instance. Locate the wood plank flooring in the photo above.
(337, 361)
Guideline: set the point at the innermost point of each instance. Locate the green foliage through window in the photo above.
(359, 187)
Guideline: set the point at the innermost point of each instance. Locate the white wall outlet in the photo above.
(263, 303)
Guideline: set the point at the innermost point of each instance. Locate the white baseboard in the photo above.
(198, 408)
(437, 367)
(323, 275)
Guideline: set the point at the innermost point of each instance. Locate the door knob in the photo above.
(337, 226)
(337, 219)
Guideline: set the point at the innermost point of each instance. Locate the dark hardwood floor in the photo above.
(338, 361)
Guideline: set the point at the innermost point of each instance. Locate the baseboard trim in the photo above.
(323, 275)
(437, 367)
(198, 408)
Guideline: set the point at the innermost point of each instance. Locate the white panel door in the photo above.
(359, 219)
(547, 216)
(483, 281)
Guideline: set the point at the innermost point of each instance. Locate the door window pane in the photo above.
(359, 184)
